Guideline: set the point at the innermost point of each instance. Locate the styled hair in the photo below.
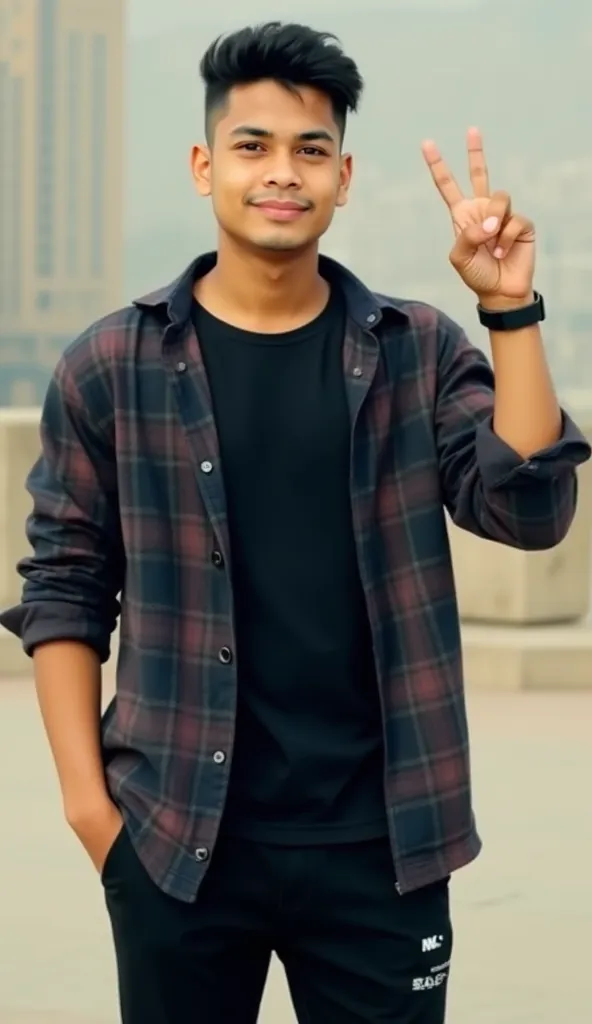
(290, 54)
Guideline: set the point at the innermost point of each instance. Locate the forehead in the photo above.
(270, 106)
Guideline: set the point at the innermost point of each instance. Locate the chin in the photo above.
(279, 243)
(271, 240)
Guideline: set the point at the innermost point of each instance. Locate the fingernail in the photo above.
(490, 224)
(498, 253)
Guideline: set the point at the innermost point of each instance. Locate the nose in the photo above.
(281, 173)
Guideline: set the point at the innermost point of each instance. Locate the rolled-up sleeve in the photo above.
(488, 488)
(501, 465)
(75, 572)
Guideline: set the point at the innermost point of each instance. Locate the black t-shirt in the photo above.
(308, 761)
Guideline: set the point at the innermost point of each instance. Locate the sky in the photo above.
(147, 17)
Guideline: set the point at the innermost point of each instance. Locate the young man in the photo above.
(256, 460)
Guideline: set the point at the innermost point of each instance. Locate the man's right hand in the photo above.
(97, 830)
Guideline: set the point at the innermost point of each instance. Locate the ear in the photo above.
(201, 169)
(345, 177)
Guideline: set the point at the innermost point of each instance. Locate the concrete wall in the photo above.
(524, 615)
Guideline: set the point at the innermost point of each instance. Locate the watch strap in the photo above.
(512, 319)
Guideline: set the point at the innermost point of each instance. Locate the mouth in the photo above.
(281, 211)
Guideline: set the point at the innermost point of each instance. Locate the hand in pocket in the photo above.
(98, 832)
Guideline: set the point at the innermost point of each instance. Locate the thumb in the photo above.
(472, 238)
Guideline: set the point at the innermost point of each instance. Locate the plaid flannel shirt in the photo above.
(129, 516)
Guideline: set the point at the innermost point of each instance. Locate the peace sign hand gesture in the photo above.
(494, 252)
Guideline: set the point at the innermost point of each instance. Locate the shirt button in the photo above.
(219, 757)
(181, 367)
(217, 559)
(532, 466)
(206, 467)
(371, 319)
(201, 854)
(225, 655)
(358, 371)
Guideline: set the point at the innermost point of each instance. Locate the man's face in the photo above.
(274, 169)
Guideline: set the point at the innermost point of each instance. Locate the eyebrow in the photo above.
(316, 135)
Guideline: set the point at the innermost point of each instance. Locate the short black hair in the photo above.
(290, 54)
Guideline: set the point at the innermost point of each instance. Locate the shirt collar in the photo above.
(366, 308)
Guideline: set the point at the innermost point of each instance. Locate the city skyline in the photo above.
(61, 187)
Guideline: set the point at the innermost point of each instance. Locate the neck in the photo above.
(275, 286)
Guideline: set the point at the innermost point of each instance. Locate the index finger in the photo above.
(443, 178)
(477, 166)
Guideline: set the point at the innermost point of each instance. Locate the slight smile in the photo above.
(275, 209)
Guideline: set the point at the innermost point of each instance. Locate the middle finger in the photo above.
(477, 166)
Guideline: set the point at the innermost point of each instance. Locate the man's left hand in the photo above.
(494, 251)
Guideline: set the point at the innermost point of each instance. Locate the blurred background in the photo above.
(100, 102)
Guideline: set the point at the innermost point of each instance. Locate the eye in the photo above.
(312, 151)
(251, 147)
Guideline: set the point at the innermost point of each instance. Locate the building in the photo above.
(61, 187)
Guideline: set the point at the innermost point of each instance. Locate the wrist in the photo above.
(503, 303)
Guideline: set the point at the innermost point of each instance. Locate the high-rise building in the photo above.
(61, 187)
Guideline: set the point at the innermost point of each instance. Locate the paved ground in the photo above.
(523, 913)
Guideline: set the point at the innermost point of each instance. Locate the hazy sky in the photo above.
(149, 16)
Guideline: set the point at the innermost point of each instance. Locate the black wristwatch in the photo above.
(513, 319)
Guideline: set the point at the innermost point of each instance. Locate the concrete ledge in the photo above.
(20, 446)
(499, 585)
(503, 586)
(506, 658)
(14, 663)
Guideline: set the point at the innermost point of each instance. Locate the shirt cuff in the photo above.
(42, 622)
(500, 465)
